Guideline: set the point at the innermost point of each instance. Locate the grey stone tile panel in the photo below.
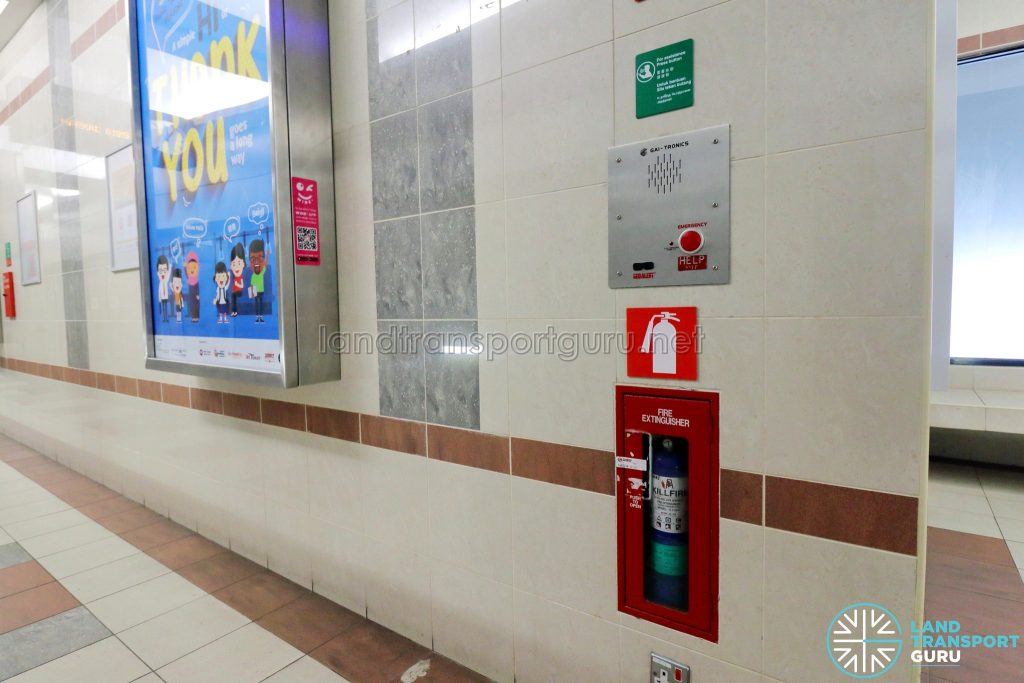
(452, 374)
(444, 67)
(396, 247)
(391, 61)
(395, 166)
(401, 369)
(449, 264)
(447, 178)
(36, 644)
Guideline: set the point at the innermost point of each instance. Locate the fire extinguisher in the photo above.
(660, 340)
(668, 540)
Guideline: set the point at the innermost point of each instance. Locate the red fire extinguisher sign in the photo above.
(662, 342)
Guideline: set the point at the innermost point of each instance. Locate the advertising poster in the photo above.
(28, 240)
(205, 102)
(124, 228)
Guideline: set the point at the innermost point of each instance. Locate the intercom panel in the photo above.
(668, 211)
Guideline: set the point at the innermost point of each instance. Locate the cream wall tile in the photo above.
(555, 643)
(998, 14)
(541, 386)
(970, 17)
(353, 199)
(729, 67)
(485, 41)
(558, 122)
(400, 517)
(289, 543)
(335, 482)
(398, 590)
(731, 362)
(491, 261)
(565, 547)
(248, 525)
(488, 158)
(851, 243)
(957, 417)
(494, 402)
(632, 16)
(558, 255)
(846, 401)
(740, 602)
(860, 81)
(808, 581)
(339, 570)
(470, 521)
(993, 378)
(472, 621)
(744, 295)
(635, 661)
(536, 32)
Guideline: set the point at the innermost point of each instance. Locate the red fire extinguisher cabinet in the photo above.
(8, 294)
(668, 550)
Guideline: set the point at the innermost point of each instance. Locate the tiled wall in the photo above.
(471, 193)
(987, 25)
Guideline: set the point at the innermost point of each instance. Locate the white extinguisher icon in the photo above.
(660, 340)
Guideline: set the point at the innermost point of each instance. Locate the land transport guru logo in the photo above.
(865, 640)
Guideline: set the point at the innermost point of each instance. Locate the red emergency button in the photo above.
(691, 241)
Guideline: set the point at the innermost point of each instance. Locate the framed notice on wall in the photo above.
(28, 240)
(215, 159)
(124, 222)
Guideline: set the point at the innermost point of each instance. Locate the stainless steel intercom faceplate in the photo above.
(668, 211)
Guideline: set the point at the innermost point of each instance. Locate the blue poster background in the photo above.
(206, 123)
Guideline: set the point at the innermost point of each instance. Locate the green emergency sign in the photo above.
(664, 79)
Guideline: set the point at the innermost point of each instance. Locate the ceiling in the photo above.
(13, 17)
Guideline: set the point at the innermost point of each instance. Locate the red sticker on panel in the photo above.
(306, 218)
(662, 342)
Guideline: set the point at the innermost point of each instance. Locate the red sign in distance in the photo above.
(306, 220)
(662, 342)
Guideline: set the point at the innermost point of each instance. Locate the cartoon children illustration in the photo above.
(237, 281)
(221, 279)
(176, 290)
(257, 261)
(163, 271)
(192, 274)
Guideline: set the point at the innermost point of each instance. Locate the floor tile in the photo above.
(46, 640)
(140, 603)
(247, 655)
(85, 557)
(260, 594)
(22, 577)
(967, 522)
(1001, 483)
(24, 497)
(107, 579)
(309, 622)
(369, 653)
(185, 551)
(79, 493)
(1017, 553)
(165, 638)
(1013, 529)
(976, 577)
(12, 554)
(32, 510)
(970, 546)
(64, 539)
(34, 605)
(444, 670)
(954, 500)
(306, 670)
(108, 507)
(108, 661)
(157, 533)
(220, 571)
(4, 538)
(130, 520)
(46, 524)
(149, 678)
(1008, 507)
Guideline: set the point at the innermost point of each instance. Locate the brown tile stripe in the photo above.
(740, 496)
(741, 493)
(106, 22)
(581, 468)
(869, 518)
(340, 639)
(991, 41)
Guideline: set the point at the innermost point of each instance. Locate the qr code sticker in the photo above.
(308, 239)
